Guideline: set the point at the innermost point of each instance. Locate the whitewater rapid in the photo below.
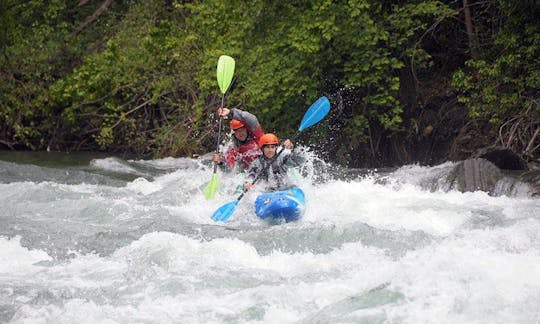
(110, 240)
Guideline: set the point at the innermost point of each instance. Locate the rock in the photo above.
(502, 157)
(534, 165)
(481, 174)
(533, 179)
(475, 174)
(535, 191)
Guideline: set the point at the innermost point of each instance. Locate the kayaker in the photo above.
(275, 176)
(244, 149)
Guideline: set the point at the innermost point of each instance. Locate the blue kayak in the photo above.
(288, 205)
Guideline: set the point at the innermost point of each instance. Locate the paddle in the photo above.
(225, 71)
(316, 112)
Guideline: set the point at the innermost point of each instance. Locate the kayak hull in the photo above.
(286, 205)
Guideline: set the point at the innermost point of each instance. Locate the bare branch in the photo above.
(82, 3)
(8, 144)
(530, 149)
(94, 16)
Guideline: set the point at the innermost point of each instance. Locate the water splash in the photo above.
(132, 241)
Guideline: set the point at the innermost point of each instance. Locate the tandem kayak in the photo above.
(288, 205)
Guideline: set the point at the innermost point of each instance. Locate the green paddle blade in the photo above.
(211, 187)
(225, 71)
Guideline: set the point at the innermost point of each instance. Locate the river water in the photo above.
(101, 239)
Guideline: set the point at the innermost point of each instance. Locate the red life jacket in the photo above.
(243, 154)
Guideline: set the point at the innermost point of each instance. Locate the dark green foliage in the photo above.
(504, 85)
(290, 53)
(136, 92)
(141, 77)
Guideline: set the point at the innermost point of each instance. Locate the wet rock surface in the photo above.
(503, 158)
(497, 171)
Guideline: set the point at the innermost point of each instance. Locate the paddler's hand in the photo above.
(217, 158)
(248, 185)
(223, 112)
(288, 144)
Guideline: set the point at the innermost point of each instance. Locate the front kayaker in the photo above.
(246, 133)
(275, 176)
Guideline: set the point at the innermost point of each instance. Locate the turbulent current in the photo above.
(100, 239)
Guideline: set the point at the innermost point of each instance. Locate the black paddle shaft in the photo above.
(219, 131)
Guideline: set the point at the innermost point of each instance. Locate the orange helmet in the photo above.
(235, 124)
(268, 139)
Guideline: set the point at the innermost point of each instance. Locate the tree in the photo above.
(501, 86)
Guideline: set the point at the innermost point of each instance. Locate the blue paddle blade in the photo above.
(315, 113)
(224, 212)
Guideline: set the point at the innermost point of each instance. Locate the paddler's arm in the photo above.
(226, 163)
(292, 156)
(219, 160)
(289, 156)
(249, 119)
(252, 174)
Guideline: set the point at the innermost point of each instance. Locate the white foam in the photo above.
(114, 165)
(382, 206)
(469, 279)
(449, 256)
(168, 163)
(143, 186)
(16, 258)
